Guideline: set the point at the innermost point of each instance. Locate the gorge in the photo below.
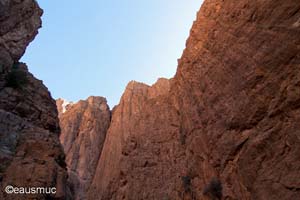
(226, 126)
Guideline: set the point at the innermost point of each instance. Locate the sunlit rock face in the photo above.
(229, 117)
(226, 126)
(126, 149)
(83, 129)
(30, 151)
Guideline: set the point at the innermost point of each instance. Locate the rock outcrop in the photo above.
(83, 130)
(19, 24)
(226, 126)
(30, 151)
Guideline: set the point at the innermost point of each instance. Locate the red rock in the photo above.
(136, 148)
(19, 24)
(30, 152)
(228, 120)
(232, 112)
(84, 126)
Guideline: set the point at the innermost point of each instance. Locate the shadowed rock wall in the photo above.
(30, 151)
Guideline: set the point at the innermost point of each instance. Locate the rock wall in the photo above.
(19, 24)
(83, 130)
(227, 126)
(128, 140)
(30, 152)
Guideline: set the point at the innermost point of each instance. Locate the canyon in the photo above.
(226, 126)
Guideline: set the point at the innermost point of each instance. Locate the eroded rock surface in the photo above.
(19, 24)
(83, 130)
(30, 151)
(141, 146)
(231, 114)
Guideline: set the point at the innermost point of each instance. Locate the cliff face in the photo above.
(19, 23)
(225, 127)
(83, 130)
(129, 144)
(229, 119)
(30, 152)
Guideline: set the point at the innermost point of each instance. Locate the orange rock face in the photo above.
(226, 126)
(126, 150)
(228, 121)
(83, 130)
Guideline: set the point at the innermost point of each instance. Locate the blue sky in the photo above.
(96, 47)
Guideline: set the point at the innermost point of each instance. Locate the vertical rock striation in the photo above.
(141, 147)
(228, 119)
(83, 130)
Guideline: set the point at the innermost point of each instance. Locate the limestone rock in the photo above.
(62, 106)
(231, 113)
(19, 24)
(30, 100)
(30, 152)
(84, 126)
(141, 146)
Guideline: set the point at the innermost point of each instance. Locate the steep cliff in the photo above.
(30, 152)
(83, 130)
(19, 24)
(226, 126)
